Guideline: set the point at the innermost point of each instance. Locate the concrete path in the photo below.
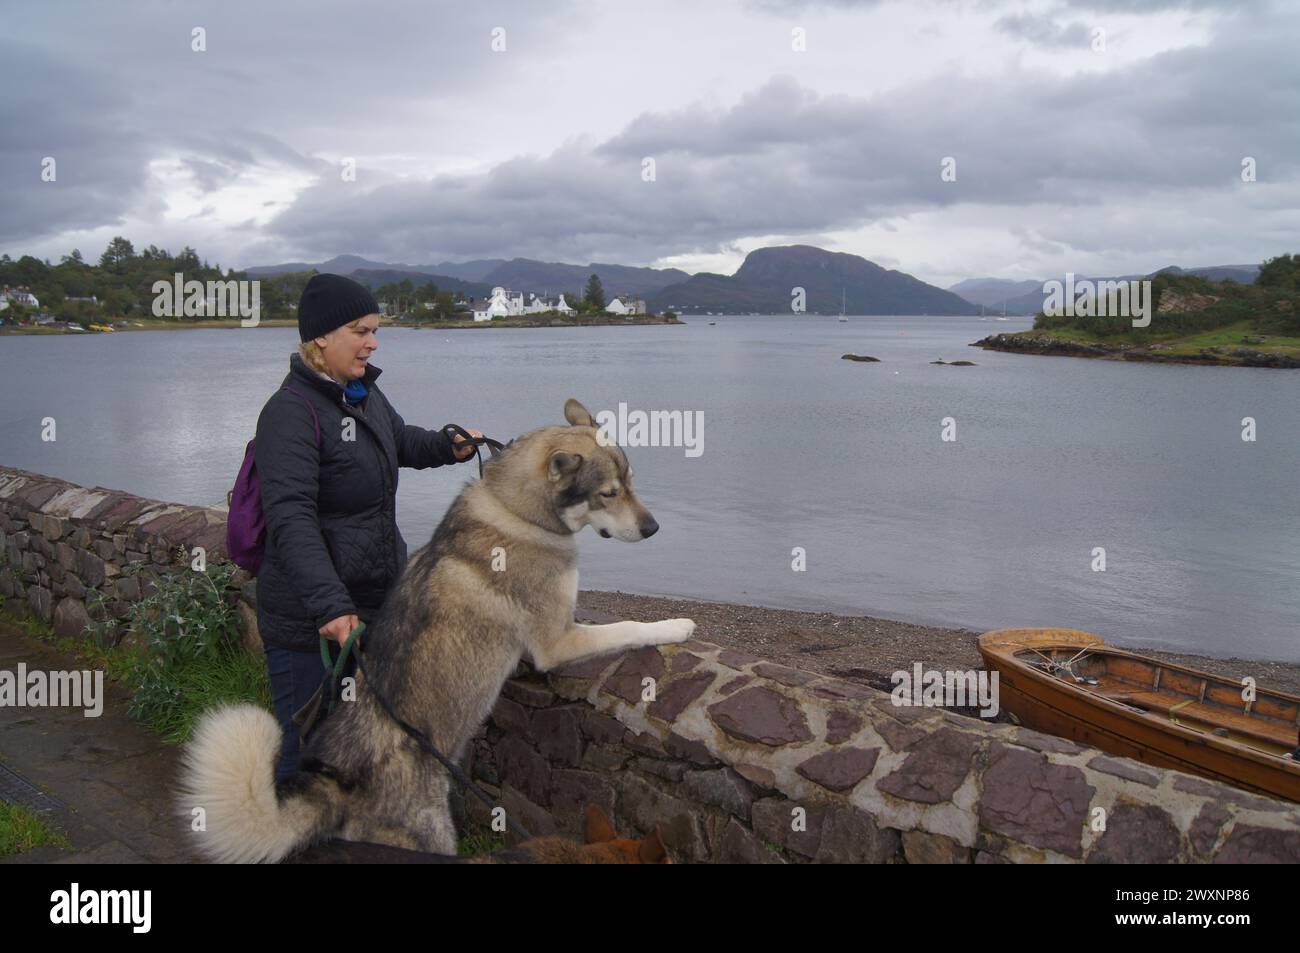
(105, 782)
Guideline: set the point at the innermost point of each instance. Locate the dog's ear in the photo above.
(577, 415)
(598, 828)
(563, 464)
(652, 850)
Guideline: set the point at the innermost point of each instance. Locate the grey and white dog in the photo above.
(497, 582)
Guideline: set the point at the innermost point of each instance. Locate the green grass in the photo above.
(479, 840)
(170, 699)
(184, 655)
(1231, 337)
(22, 829)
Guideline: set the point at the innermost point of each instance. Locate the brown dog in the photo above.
(601, 846)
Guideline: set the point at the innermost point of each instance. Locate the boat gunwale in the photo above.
(1001, 650)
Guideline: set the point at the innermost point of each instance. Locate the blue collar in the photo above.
(354, 392)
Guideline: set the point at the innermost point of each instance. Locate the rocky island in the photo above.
(1196, 321)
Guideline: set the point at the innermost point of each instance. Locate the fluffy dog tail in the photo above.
(228, 794)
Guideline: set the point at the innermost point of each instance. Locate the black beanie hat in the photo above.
(331, 301)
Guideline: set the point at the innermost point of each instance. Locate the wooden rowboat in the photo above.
(1071, 683)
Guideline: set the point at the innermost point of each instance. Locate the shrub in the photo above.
(186, 654)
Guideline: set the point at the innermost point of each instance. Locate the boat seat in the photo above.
(1182, 708)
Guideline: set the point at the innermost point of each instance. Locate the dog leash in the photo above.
(419, 737)
(496, 446)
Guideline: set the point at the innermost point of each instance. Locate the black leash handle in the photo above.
(496, 446)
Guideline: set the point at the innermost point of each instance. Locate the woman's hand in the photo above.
(339, 629)
(462, 449)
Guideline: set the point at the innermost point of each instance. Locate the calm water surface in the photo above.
(1053, 457)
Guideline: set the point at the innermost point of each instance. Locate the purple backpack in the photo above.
(245, 524)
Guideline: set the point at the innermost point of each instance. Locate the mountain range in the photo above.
(479, 277)
(765, 281)
(763, 284)
(1026, 297)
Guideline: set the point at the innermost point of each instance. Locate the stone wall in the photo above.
(734, 758)
(60, 544)
(731, 747)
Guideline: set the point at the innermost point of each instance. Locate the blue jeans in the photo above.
(295, 676)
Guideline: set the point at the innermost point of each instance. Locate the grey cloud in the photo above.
(106, 98)
(783, 160)
(787, 161)
(1045, 30)
(784, 7)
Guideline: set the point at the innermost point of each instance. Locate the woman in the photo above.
(328, 448)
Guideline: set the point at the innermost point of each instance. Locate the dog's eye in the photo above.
(610, 493)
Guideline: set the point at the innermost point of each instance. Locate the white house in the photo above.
(19, 296)
(504, 304)
(626, 305)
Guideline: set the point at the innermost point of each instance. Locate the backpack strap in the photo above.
(310, 406)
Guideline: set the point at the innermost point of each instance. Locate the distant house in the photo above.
(626, 304)
(19, 296)
(505, 304)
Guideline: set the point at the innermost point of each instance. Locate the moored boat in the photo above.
(1071, 683)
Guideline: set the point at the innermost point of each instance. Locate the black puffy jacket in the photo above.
(332, 543)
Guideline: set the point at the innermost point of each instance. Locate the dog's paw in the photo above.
(675, 630)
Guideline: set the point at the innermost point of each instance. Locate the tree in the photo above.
(31, 272)
(444, 306)
(187, 260)
(117, 302)
(1279, 272)
(73, 259)
(595, 295)
(116, 255)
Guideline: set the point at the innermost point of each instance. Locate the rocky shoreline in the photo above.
(1163, 353)
(861, 648)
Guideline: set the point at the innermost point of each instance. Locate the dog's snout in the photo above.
(649, 527)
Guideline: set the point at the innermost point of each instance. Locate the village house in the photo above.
(504, 304)
(18, 296)
(626, 305)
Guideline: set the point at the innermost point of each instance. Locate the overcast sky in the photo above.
(1100, 138)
